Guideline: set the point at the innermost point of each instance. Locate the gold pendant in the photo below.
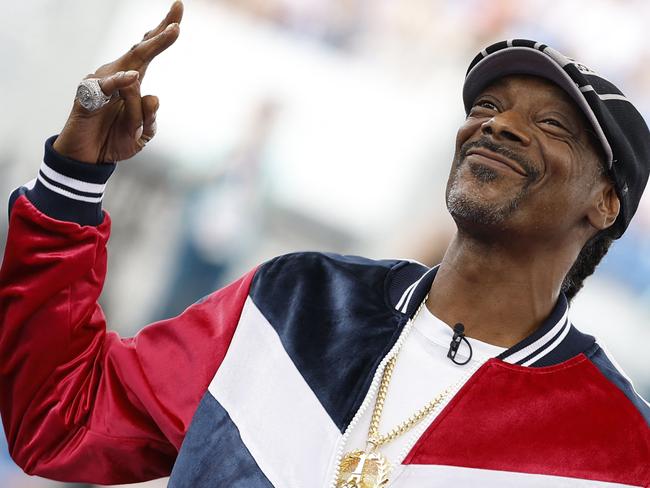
(363, 469)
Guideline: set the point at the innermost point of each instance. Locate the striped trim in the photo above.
(70, 187)
(612, 96)
(538, 348)
(68, 190)
(550, 335)
(553, 345)
(405, 296)
(68, 193)
(405, 300)
(604, 96)
(557, 56)
(72, 183)
(42, 177)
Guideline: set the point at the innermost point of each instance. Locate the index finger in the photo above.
(143, 53)
(175, 15)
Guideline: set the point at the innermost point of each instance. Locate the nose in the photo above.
(507, 125)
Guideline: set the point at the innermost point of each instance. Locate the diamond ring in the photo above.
(90, 95)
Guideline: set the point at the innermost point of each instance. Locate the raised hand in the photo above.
(122, 127)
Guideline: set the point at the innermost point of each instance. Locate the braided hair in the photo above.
(595, 248)
(586, 262)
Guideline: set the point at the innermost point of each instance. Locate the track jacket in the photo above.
(256, 384)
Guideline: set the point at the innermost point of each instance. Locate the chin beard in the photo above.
(472, 209)
(466, 209)
(484, 174)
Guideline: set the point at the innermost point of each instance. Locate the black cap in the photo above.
(619, 126)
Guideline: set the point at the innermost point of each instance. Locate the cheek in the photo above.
(564, 182)
(562, 166)
(470, 127)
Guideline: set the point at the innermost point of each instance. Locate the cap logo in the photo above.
(583, 68)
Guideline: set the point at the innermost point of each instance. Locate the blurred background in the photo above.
(302, 125)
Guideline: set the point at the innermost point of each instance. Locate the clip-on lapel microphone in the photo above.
(459, 336)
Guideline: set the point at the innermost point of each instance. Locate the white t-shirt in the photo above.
(422, 371)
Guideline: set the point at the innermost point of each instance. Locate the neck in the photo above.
(500, 294)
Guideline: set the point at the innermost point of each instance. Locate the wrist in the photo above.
(73, 151)
(69, 190)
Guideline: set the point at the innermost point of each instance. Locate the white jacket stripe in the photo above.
(278, 416)
(432, 476)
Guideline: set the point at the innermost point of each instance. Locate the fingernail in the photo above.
(132, 73)
(171, 26)
(138, 133)
(154, 127)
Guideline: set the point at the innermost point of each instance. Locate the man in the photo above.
(326, 370)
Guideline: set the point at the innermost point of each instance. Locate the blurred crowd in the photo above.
(189, 218)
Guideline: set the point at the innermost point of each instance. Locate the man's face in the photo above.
(524, 160)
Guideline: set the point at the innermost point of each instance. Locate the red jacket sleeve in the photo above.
(79, 403)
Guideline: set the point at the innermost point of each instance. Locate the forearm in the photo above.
(51, 276)
(56, 356)
(80, 403)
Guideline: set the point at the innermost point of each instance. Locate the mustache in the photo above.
(486, 143)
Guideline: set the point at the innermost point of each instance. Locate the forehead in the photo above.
(536, 91)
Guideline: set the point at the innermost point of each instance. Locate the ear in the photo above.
(606, 206)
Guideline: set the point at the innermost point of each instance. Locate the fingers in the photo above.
(144, 52)
(175, 15)
(150, 106)
(133, 118)
(139, 112)
(153, 43)
(117, 81)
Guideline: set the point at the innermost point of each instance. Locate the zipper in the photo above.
(418, 431)
(372, 393)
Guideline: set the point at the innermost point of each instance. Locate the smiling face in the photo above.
(524, 162)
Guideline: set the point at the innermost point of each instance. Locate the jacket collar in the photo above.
(555, 341)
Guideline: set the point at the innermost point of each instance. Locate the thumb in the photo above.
(114, 82)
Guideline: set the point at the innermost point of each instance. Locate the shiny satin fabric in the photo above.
(80, 403)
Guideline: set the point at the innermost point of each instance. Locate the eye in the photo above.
(553, 122)
(483, 108)
(485, 104)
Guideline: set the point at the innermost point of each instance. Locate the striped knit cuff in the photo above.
(69, 190)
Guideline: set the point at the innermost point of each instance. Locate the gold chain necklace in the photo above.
(369, 468)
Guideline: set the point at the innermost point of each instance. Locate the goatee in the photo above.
(471, 209)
